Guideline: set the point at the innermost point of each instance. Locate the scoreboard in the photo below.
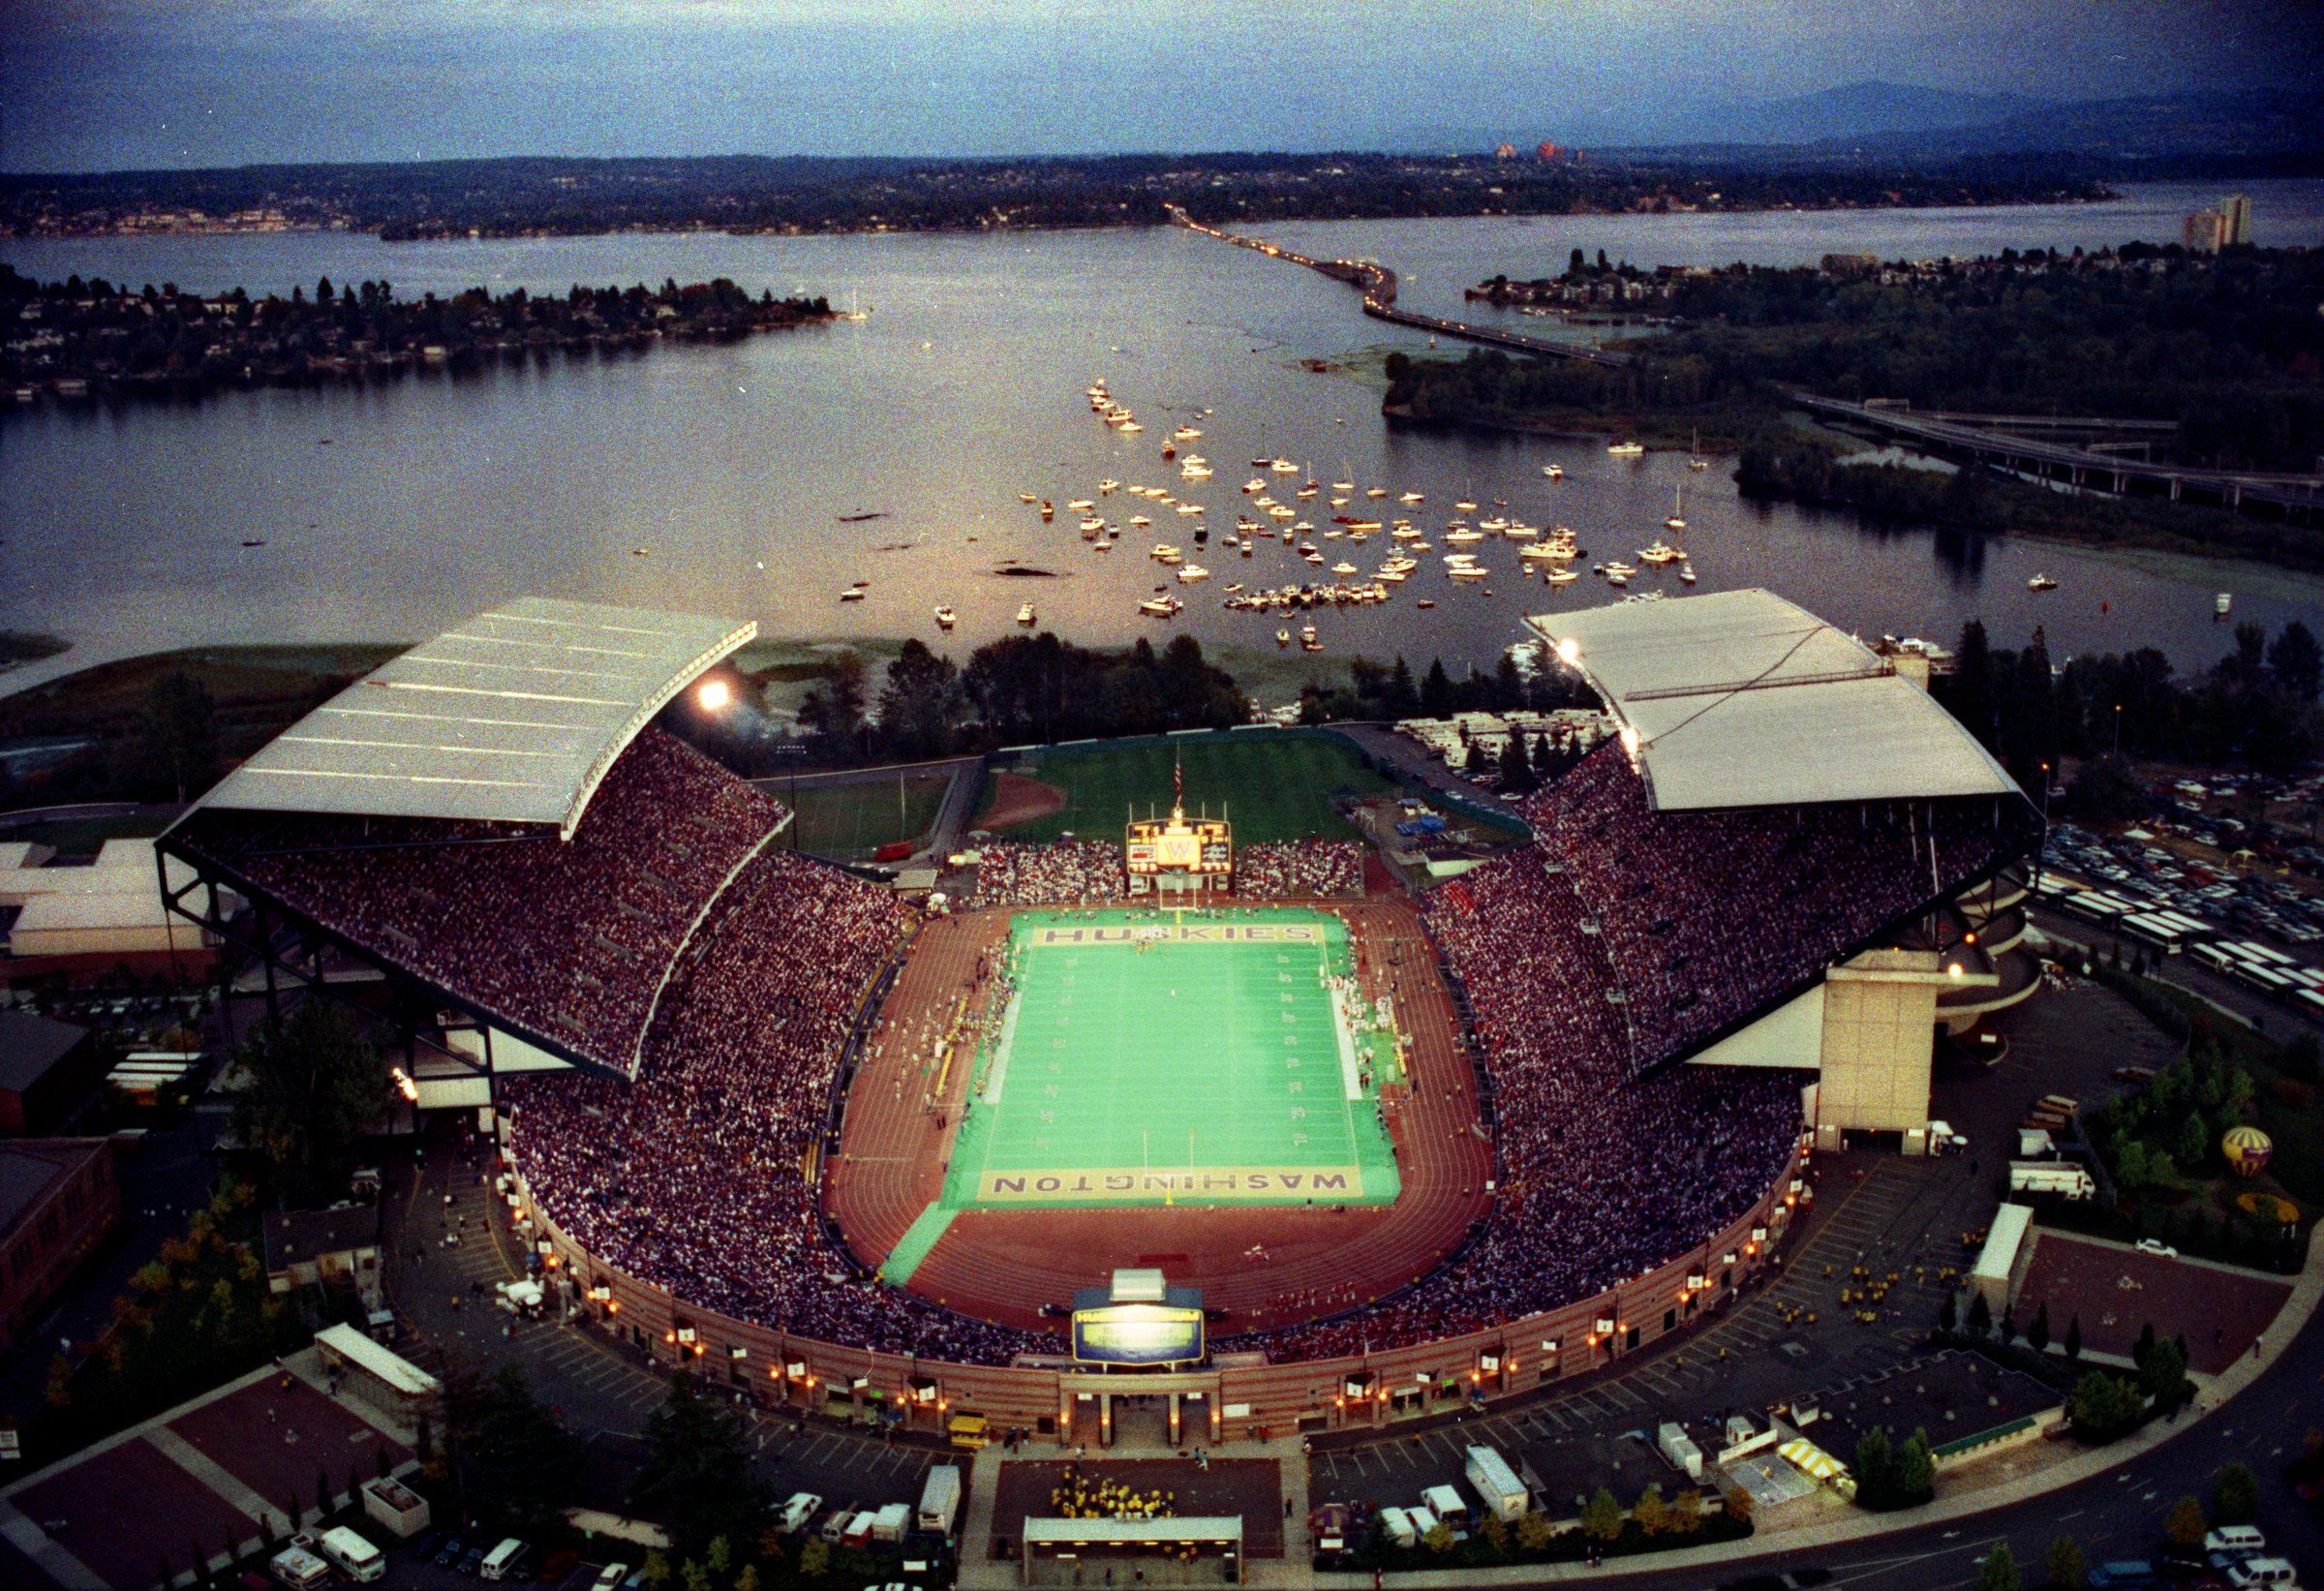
(1198, 848)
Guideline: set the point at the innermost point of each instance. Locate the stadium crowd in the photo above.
(569, 939)
(691, 1179)
(1070, 872)
(1615, 942)
(1296, 870)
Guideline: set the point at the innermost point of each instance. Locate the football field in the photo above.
(1169, 1057)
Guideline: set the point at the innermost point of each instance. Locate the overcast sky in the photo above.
(88, 84)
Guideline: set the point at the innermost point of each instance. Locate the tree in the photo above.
(316, 1088)
(2162, 1375)
(1738, 1505)
(2103, 1406)
(2105, 790)
(2065, 1563)
(1535, 1531)
(696, 1476)
(2236, 1499)
(181, 732)
(1875, 1468)
(1949, 1314)
(2195, 1140)
(1980, 1315)
(920, 704)
(1439, 1539)
(1516, 767)
(2073, 1337)
(2297, 662)
(2186, 1524)
(2037, 1334)
(1436, 691)
(509, 1459)
(2000, 1569)
(814, 1559)
(1915, 1478)
(1686, 1512)
(1602, 1516)
(1651, 1512)
(833, 710)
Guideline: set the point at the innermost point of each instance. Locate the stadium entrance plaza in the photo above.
(1871, 1208)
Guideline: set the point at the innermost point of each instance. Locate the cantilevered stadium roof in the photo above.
(513, 717)
(1741, 698)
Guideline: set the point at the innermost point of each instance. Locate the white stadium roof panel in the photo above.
(513, 718)
(1741, 698)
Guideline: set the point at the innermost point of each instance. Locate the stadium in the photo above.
(1168, 1133)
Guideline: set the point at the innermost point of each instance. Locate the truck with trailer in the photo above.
(940, 1499)
(2062, 1179)
(1490, 1476)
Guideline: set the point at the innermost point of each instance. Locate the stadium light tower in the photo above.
(714, 697)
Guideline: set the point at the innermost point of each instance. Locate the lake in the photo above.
(726, 479)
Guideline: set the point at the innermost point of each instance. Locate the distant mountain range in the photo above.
(1893, 119)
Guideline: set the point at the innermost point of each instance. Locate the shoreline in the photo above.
(1011, 228)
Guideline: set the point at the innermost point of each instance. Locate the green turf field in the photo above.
(849, 821)
(1209, 1068)
(1274, 785)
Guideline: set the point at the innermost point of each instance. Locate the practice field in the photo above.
(1192, 1057)
(849, 821)
(1273, 787)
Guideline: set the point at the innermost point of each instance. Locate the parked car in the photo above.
(2155, 1246)
(610, 1577)
(2124, 1572)
(449, 1552)
(473, 1562)
(558, 1566)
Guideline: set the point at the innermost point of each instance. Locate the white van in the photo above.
(298, 1569)
(796, 1510)
(355, 1557)
(1398, 1525)
(2236, 1539)
(2263, 1572)
(502, 1559)
(1447, 1505)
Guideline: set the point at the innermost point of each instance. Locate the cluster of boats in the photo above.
(1283, 501)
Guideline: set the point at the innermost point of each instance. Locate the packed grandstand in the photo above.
(709, 982)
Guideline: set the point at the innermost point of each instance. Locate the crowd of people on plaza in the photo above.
(1298, 869)
(567, 938)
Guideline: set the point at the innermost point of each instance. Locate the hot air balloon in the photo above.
(2247, 1149)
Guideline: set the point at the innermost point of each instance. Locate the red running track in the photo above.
(1007, 1264)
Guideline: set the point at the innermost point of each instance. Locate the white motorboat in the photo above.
(1108, 486)
(1560, 577)
(1025, 616)
(1185, 433)
(946, 618)
(1080, 505)
(2041, 582)
(1283, 467)
(1165, 553)
(853, 594)
(1626, 449)
(1192, 572)
(1555, 471)
(1282, 637)
(1686, 573)
(1160, 608)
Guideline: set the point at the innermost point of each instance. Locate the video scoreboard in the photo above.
(1138, 1320)
(1179, 845)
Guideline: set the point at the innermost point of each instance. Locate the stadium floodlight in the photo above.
(1569, 651)
(714, 697)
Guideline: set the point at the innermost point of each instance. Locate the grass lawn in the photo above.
(1275, 786)
(849, 821)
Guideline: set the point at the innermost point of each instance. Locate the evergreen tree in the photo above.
(1602, 1516)
(2073, 1337)
(1999, 1572)
(2064, 1564)
(2037, 1334)
(2235, 1500)
(696, 1475)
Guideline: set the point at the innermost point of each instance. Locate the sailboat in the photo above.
(855, 311)
(1678, 520)
(1694, 458)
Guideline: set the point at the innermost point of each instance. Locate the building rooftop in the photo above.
(513, 717)
(29, 1167)
(296, 1236)
(30, 1045)
(1741, 698)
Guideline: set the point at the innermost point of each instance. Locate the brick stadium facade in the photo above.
(1239, 1395)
